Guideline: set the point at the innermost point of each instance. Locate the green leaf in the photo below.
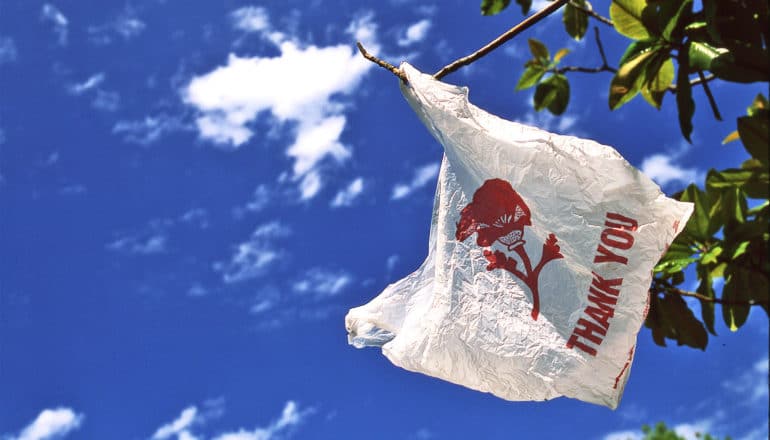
(706, 289)
(710, 256)
(575, 20)
(492, 7)
(753, 131)
(636, 48)
(742, 64)
(684, 102)
(673, 25)
(669, 317)
(530, 77)
(525, 6)
(698, 224)
(553, 93)
(735, 309)
(757, 105)
(754, 182)
(627, 17)
(628, 79)
(702, 55)
(539, 51)
(658, 81)
(674, 265)
(560, 54)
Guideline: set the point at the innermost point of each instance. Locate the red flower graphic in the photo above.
(498, 213)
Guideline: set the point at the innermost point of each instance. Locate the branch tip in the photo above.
(384, 64)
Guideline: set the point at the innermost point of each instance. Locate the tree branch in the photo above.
(590, 11)
(666, 288)
(384, 64)
(502, 39)
(694, 82)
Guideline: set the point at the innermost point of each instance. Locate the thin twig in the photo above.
(600, 46)
(590, 11)
(499, 41)
(695, 82)
(384, 64)
(603, 68)
(712, 101)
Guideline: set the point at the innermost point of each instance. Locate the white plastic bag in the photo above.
(540, 259)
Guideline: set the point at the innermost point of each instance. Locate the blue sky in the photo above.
(193, 194)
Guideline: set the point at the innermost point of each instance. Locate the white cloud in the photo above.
(127, 24)
(148, 130)
(290, 417)
(142, 244)
(662, 169)
(250, 19)
(8, 52)
(751, 384)
(50, 424)
(252, 258)
(422, 176)
(298, 87)
(52, 14)
(90, 83)
(108, 101)
(623, 435)
(415, 33)
(346, 196)
(181, 424)
(322, 283)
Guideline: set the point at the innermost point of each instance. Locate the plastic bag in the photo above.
(540, 259)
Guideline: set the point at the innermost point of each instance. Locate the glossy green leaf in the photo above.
(698, 224)
(674, 25)
(710, 256)
(674, 265)
(575, 20)
(742, 64)
(628, 79)
(754, 182)
(492, 7)
(530, 77)
(753, 131)
(538, 49)
(702, 54)
(660, 80)
(553, 94)
(627, 17)
(706, 288)
(684, 102)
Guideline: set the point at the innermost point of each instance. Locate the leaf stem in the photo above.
(502, 39)
(590, 11)
(666, 288)
(712, 101)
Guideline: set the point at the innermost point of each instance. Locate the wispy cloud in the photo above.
(255, 256)
(183, 427)
(230, 97)
(150, 129)
(322, 283)
(349, 194)
(751, 383)
(422, 176)
(415, 33)
(51, 424)
(60, 23)
(144, 244)
(8, 52)
(250, 19)
(126, 25)
(90, 83)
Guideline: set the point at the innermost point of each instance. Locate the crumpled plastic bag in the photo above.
(540, 259)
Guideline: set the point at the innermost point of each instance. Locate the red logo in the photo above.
(498, 213)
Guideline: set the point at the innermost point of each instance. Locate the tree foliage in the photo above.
(673, 48)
